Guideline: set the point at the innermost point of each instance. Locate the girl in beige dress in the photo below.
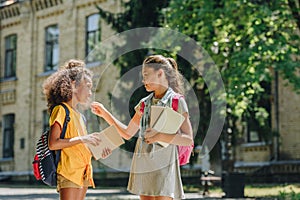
(155, 171)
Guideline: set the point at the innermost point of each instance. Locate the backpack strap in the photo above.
(63, 132)
(175, 101)
(67, 119)
(184, 152)
(142, 107)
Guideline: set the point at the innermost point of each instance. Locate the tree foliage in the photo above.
(249, 40)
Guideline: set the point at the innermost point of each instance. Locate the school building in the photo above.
(38, 36)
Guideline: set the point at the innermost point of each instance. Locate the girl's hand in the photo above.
(106, 152)
(151, 136)
(91, 139)
(98, 108)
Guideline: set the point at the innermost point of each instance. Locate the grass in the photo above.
(262, 191)
(285, 191)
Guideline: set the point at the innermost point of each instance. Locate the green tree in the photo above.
(250, 41)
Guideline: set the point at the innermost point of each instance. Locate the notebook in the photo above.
(109, 138)
(165, 120)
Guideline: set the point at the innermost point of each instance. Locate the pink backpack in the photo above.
(184, 152)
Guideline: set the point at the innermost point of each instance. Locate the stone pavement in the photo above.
(19, 193)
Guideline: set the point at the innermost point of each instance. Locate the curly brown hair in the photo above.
(73, 63)
(58, 87)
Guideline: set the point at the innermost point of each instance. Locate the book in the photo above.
(110, 138)
(165, 120)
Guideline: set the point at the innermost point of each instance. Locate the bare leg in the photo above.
(142, 197)
(73, 193)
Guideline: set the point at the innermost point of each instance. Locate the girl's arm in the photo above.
(56, 143)
(126, 132)
(184, 137)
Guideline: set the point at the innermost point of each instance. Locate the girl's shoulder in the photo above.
(58, 114)
(177, 102)
(62, 107)
(57, 109)
(142, 103)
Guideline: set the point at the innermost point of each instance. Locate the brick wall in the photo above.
(289, 117)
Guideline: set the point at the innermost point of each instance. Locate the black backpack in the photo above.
(45, 160)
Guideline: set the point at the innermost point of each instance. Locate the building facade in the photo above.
(36, 37)
(278, 159)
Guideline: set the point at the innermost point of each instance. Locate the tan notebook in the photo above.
(165, 120)
(109, 138)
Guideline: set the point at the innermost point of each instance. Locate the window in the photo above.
(255, 131)
(51, 48)
(45, 120)
(8, 135)
(93, 35)
(10, 56)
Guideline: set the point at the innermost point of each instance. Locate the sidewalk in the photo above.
(9, 193)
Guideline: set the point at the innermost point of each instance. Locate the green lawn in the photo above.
(288, 191)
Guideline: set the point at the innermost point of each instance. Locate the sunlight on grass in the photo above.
(271, 190)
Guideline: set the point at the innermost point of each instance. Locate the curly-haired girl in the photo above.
(71, 85)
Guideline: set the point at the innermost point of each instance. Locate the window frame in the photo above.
(10, 57)
(8, 135)
(93, 33)
(51, 45)
(253, 129)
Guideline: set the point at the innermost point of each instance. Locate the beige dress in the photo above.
(155, 169)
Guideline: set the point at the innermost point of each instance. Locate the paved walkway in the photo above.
(50, 194)
(14, 193)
